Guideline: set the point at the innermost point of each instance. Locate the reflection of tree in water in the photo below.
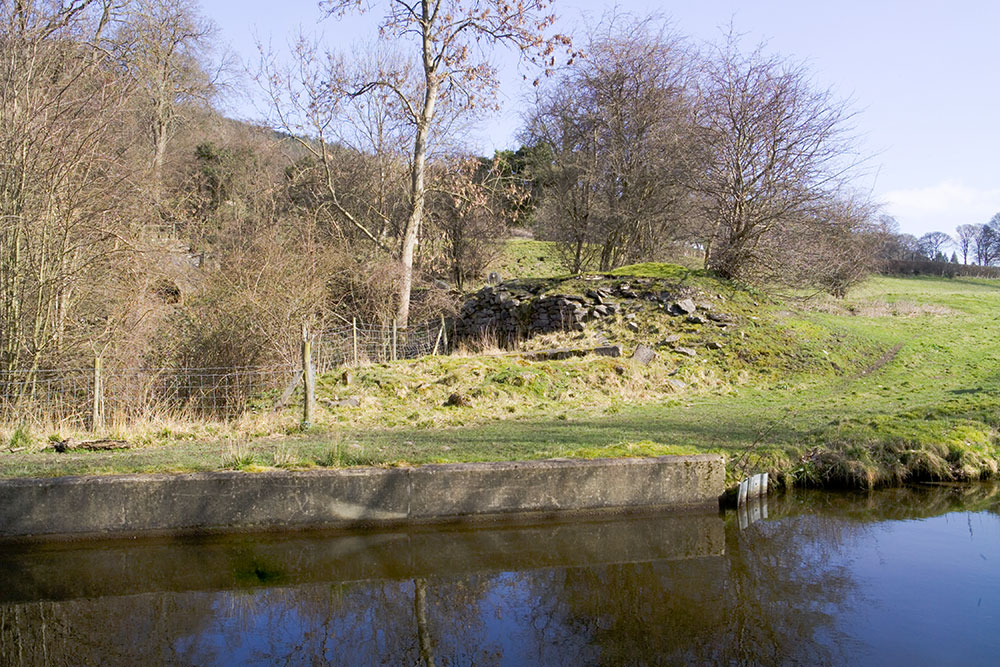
(132, 630)
(376, 622)
(771, 599)
(364, 623)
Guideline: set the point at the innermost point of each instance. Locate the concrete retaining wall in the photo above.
(134, 504)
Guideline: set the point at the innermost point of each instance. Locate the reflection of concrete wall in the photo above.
(130, 504)
(69, 570)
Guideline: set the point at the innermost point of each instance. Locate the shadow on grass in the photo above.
(734, 430)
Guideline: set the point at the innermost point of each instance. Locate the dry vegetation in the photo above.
(141, 228)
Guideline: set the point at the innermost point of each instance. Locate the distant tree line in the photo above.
(972, 244)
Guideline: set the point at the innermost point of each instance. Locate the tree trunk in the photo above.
(423, 631)
(417, 187)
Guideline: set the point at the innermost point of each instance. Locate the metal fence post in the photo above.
(308, 380)
(97, 410)
(354, 331)
(394, 339)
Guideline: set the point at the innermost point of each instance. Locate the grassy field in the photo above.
(899, 381)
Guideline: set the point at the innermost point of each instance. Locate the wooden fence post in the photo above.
(354, 331)
(308, 381)
(438, 339)
(97, 411)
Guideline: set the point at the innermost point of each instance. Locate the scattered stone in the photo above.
(458, 400)
(683, 307)
(720, 317)
(669, 340)
(643, 355)
(632, 326)
(677, 385)
(345, 378)
(686, 351)
(695, 319)
(608, 351)
(713, 345)
(440, 284)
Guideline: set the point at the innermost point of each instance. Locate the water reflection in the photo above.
(796, 586)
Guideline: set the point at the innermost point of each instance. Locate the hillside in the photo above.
(895, 382)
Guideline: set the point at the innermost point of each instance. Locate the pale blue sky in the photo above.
(924, 75)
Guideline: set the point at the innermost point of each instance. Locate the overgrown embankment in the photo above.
(898, 382)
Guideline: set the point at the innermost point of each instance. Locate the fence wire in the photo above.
(366, 343)
(66, 396)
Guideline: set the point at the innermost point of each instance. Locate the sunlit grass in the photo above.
(900, 380)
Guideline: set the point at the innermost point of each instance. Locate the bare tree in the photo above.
(985, 245)
(618, 125)
(451, 43)
(779, 152)
(966, 237)
(932, 244)
(167, 45)
(470, 206)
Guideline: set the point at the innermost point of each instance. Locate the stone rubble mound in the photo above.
(519, 309)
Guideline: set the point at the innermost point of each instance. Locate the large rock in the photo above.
(683, 307)
(643, 355)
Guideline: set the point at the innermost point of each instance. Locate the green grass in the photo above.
(525, 258)
(899, 381)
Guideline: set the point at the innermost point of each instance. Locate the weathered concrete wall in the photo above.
(133, 504)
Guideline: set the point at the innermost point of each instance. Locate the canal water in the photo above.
(903, 576)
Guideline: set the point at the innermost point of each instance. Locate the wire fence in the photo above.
(358, 344)
(91, 397)
(79, 397)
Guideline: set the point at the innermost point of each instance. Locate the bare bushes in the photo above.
(67, 243)
(618, 125)
(256, 299)
(659, 150)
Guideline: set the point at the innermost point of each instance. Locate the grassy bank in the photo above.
(899, 381)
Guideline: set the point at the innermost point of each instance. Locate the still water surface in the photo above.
(904, 576)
